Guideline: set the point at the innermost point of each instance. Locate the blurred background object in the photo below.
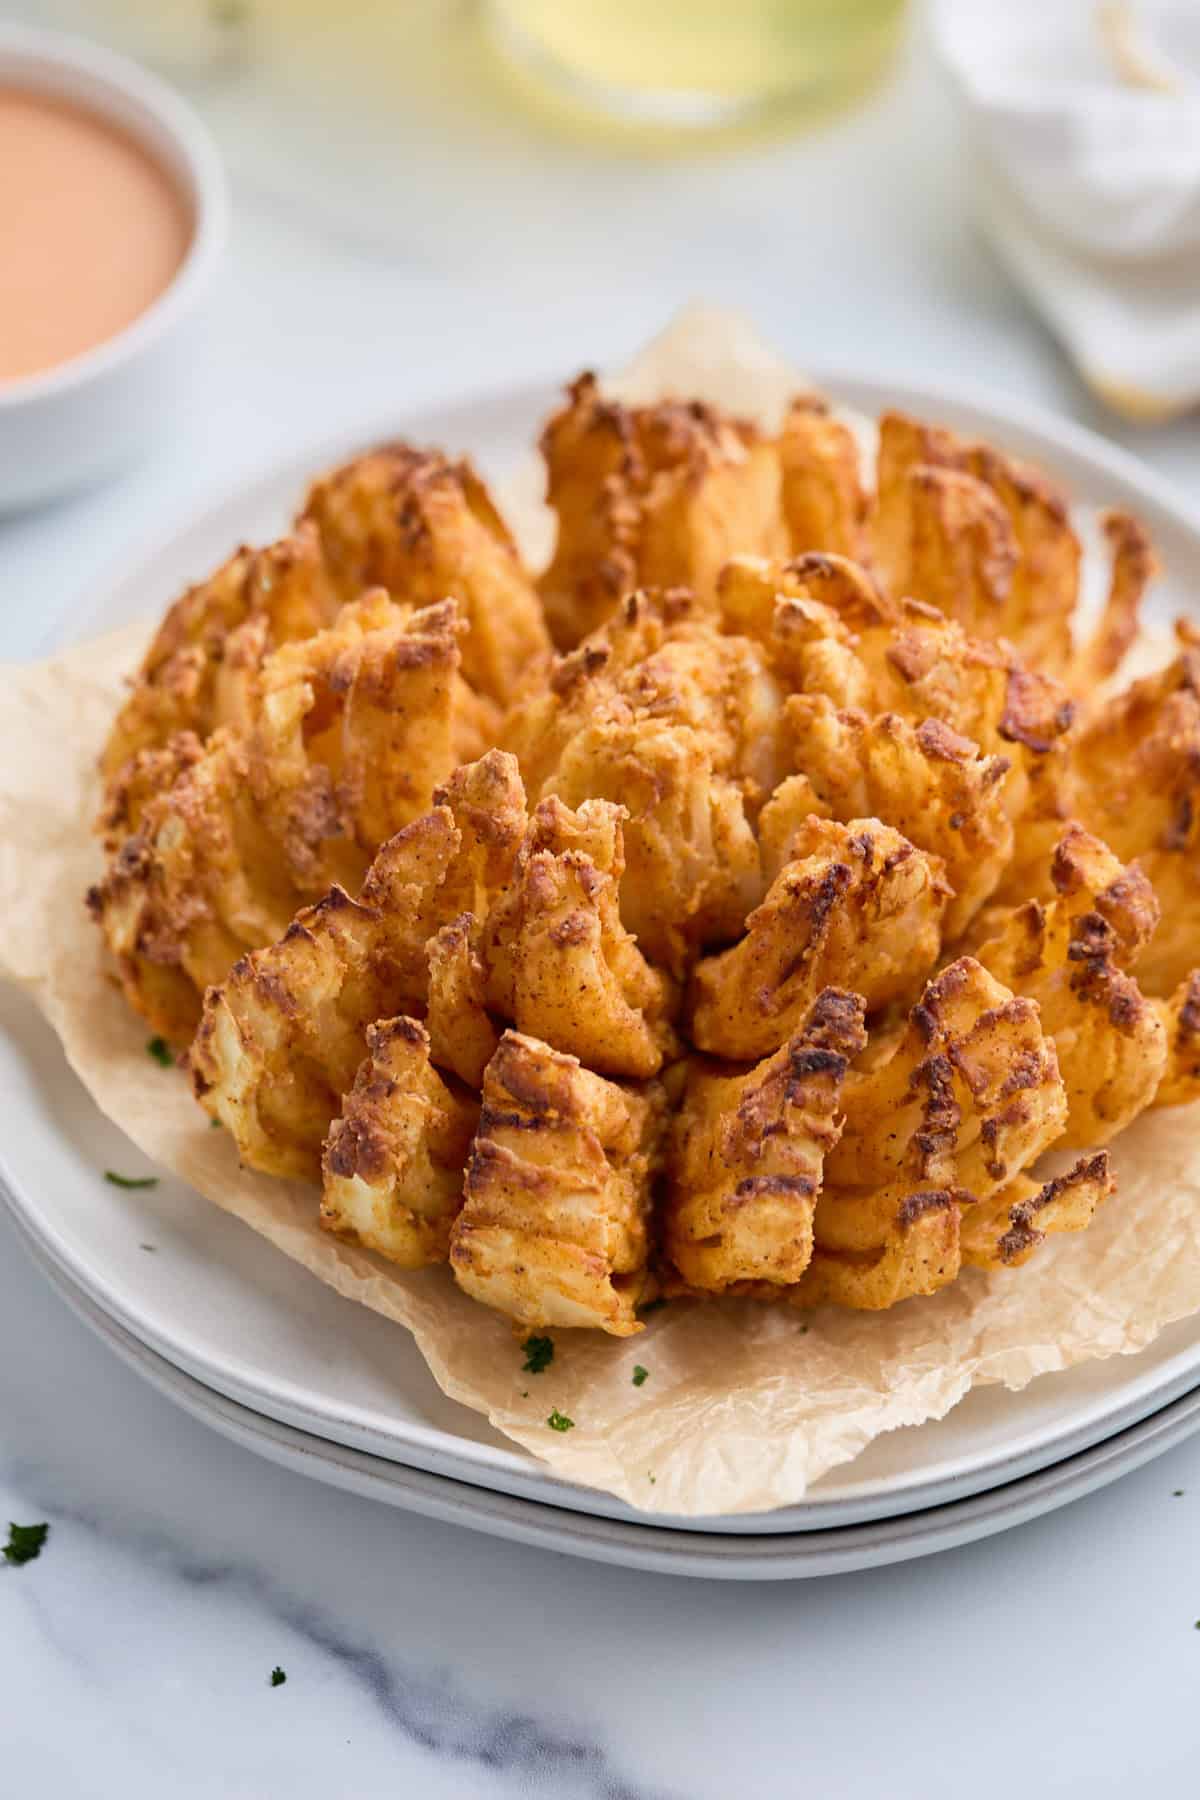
(1083, 119)
(696, 62)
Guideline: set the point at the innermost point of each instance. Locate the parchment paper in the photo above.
(745, 1406)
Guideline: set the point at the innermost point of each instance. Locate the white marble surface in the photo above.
(135, 1653)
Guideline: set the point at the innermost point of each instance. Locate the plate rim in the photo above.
(1034, 431)
(641, 1543)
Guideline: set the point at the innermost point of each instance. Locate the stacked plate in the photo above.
(245, 1340)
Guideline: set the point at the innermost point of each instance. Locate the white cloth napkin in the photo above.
(1084, 127)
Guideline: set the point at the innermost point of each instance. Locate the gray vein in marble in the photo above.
(431, 1711)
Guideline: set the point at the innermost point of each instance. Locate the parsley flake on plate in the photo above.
(539, 1354)
(24, 1542)
(278, 1676)
(639, 1374)
(130, 1181)
(160, 1050)
(560, 1422)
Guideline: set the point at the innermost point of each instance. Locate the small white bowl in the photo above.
(67, 426)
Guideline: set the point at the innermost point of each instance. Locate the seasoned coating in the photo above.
(679, 724)
(984, 538)
(873, 1250)
(427, 529)
(743, 910)
(470, 913)
(1137, 785)
(558, 960)
(1133, 567)
(554, 1226)
(828, 630)
(927, 781)
(280, 1041)
(650, 496)
(969, 1096)
(393, 1163)
(181, 683)
(1071, 955)
(1005, 1230)
(1180, 1017)
(858, 907)
(345, 735)
(825, 505)
(747, 1154)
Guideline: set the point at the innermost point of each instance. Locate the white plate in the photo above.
(220, 1304)
(769, 1556)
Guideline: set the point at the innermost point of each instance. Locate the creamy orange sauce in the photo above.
(91, 231)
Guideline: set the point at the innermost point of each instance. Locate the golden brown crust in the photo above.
(1004, 1231)
(554, 1227)
(985, 538)
(393, 1162)
(649, 496)
(747, 1154)
(1071, 956)
(661, 713)
(824, 501)
(970, 1095)
(426, 528)
(858, 907)
(344, 737)
(1180, 1016)
(181, 685)
(1136, 774)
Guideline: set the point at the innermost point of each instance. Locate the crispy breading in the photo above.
(930, 783)
(1136, 774)
(679, 724)
(345, 736)
(650, 496)
(828, 630)
(747, 1153)
(1071, 955)
(968, 1097)
(872, 1251)
(393, 1162)
(858, 907)
(824, 502)
(470, 913)
(983, 537)
(554, 1226)
(1133, 567)
(557, 960)
(180, 684)
(426, 528)
(1180, 1016)
(1004, 1231)
(280, 1040)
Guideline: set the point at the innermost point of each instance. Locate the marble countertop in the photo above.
(135, 1653)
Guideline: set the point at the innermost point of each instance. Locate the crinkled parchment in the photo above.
(746, 1405)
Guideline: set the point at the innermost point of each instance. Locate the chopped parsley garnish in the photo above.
(560, 1422)
(639, 1374)
(653, 1479)
(130, 1181)
(1177, 1493)
(24, 1542)
(160, 1050)
(278, 1676)
(539, 1354)
(214, 1124)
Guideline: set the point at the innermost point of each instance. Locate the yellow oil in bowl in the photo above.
(696, 62)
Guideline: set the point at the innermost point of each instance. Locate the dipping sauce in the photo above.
(92, 230)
